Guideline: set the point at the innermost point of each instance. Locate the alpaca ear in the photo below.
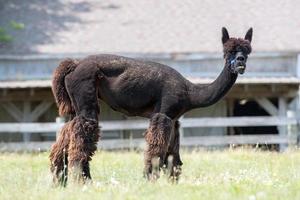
(248, 35)
(225, 35)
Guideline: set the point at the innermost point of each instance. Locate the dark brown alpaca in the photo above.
(135, 88)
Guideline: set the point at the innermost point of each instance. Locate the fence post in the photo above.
(59, 121)
(298, 101)
(292, 130)
(131, 147)
(282, 129)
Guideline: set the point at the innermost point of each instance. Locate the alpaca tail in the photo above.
(60, 93)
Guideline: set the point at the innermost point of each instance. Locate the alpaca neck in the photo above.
(206, 95)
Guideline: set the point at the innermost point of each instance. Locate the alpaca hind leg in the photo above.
(59, 156)
(157, 138)
(83, 144)
(82, 89)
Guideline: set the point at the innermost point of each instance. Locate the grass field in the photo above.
(232, 174)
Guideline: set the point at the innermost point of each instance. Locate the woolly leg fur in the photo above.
(172, 160)
(157, 139)
(83, 144)
(59, 155)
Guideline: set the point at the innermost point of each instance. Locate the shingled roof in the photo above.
(143, 26)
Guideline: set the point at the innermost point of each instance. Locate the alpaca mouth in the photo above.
(241, 69)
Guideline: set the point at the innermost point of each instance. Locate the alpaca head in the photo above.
(236, 51)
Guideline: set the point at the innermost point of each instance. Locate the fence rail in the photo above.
(143, 124)
(139, 143)
(289, 138)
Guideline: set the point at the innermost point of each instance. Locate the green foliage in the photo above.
(5, 36)
(17, 26)
(228, 175)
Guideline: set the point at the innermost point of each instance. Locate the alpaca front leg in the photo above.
(59, 156)
(173, 161)
(157, 138)
(83, 144)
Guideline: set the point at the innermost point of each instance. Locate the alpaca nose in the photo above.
(241, 58)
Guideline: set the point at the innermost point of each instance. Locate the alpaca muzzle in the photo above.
(241, 69)
(237, 67)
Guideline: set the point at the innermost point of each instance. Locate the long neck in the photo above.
(205, 95)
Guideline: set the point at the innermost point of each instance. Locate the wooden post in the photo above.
(298, 101)
(59, 120)
(230, 107)
(298, 66)
(292, 131)
(131, 147)
(26, 118)
(297, 116)
(282, 112)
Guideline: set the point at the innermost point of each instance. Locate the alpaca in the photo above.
(135, 88)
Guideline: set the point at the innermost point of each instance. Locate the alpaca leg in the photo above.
(59, 156)
(83, 144)
(82, 89)
(173, 161)
(157, 138)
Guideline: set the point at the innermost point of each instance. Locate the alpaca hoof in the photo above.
(175, 174)
(151, 176)
(154, 176)
(152, 171)
(76, 174)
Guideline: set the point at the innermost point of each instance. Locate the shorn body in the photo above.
(135, 88)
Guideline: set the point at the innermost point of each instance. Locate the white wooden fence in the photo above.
(287, 122)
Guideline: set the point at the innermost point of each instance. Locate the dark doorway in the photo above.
(245, 107)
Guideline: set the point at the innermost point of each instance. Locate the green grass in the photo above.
(238, 174)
